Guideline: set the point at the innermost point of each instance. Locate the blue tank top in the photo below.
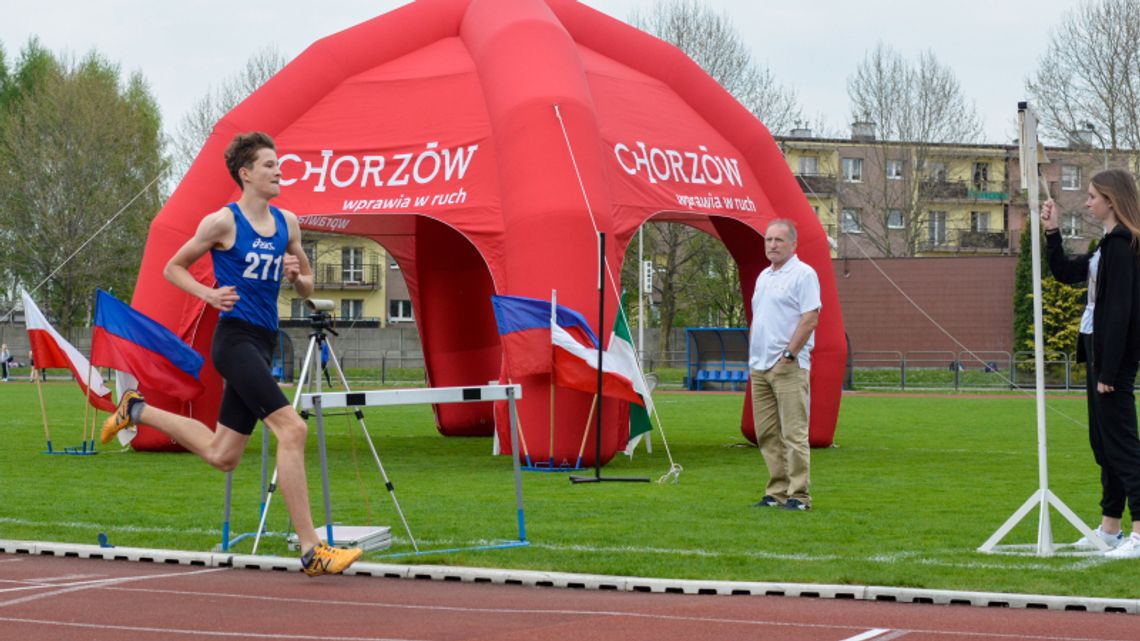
(253, 265)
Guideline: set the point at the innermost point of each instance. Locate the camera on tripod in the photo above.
(320, 317)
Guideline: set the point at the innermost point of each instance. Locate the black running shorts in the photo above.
(242, 353)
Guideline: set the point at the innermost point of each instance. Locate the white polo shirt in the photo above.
(781, 297)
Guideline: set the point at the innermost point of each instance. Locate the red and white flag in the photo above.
(52, 350)
(576, 365)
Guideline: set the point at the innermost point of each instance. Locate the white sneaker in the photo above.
(1129, 549)
(1112, 540)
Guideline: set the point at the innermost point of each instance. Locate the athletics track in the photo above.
(68, 597)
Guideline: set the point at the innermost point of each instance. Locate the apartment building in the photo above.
(351, 271)
(881, 198)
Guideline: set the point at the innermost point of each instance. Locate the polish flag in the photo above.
(52, 350)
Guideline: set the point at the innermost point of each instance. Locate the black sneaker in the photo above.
(767, 501)
(796, 504)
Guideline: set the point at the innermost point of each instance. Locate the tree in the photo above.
(196, 125)
(76, 146)
(697, 278)
(713, 42)
(1062, 305)
(913, 106)
(1090, 75)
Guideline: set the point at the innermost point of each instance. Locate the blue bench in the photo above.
(732, 376)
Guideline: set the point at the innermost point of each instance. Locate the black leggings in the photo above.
(1114, 440)
(242, 353)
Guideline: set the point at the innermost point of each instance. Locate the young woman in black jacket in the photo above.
(1109, 345)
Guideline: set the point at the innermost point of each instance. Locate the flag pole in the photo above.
(597, 477)
(87, 412)
(553, 320)
(586, 432)
(43, 410)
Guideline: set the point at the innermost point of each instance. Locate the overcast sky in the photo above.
(184, 48)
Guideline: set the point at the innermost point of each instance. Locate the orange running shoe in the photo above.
(325, 559)
(121, 419)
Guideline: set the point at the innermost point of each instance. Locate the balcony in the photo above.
(368, 276)
(816, 184)
(966, 241)
(986, 190)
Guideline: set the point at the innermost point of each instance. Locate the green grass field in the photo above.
(914, 486)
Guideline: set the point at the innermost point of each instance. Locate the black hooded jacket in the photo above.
(1116, 317)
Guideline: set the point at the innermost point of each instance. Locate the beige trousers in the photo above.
(780, 414)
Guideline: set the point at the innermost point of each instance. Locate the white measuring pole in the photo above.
(1043, 497)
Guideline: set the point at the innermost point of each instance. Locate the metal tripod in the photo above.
(310, 374)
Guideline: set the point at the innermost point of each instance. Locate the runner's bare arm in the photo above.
(215, 230)
(297, 267)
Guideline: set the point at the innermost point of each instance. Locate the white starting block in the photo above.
(354, 536)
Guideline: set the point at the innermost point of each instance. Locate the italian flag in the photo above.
(621, 348)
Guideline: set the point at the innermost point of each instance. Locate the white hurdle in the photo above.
(315, 403)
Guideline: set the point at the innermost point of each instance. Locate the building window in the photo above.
(894, 219)
(894, 170)
(1070, 178)
(352, 264)
(310, 248)
(1071, 225)
(400, 311)
(979, 221)
(981, 176)
(297, 308)
(852, 170)
(809, 166)
(938, 172)
(849, 221)
(936, 229)
(351, 308)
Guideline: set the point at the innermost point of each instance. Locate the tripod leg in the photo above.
(375, 455)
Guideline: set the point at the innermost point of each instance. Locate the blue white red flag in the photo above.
(541, 337)
(524, 325)
(126, 340)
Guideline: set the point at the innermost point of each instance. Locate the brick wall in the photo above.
(971, 297)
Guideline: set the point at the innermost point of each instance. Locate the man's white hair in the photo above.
(787, 224)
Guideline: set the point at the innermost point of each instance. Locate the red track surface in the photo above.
(56, 598)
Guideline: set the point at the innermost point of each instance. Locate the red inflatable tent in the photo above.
(473, 139)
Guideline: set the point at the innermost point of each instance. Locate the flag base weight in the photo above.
(603, 479)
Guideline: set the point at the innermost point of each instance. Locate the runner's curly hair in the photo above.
(242, 152)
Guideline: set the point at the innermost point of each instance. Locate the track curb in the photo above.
(586, 581)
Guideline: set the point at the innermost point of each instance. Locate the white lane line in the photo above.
(869, 634)
(435, 607)
(66, 577)
(102, 583)
(198, 633)
(10, 560)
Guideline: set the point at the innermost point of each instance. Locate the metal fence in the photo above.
(917, 370)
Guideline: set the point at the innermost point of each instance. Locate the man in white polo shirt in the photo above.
(785, 311)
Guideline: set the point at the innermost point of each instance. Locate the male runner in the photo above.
(252, 244)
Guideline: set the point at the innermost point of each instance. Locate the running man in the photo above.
(252, 244)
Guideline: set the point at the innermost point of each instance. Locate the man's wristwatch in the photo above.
(788, 355)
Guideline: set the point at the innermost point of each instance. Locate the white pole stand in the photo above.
(1043, 497)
